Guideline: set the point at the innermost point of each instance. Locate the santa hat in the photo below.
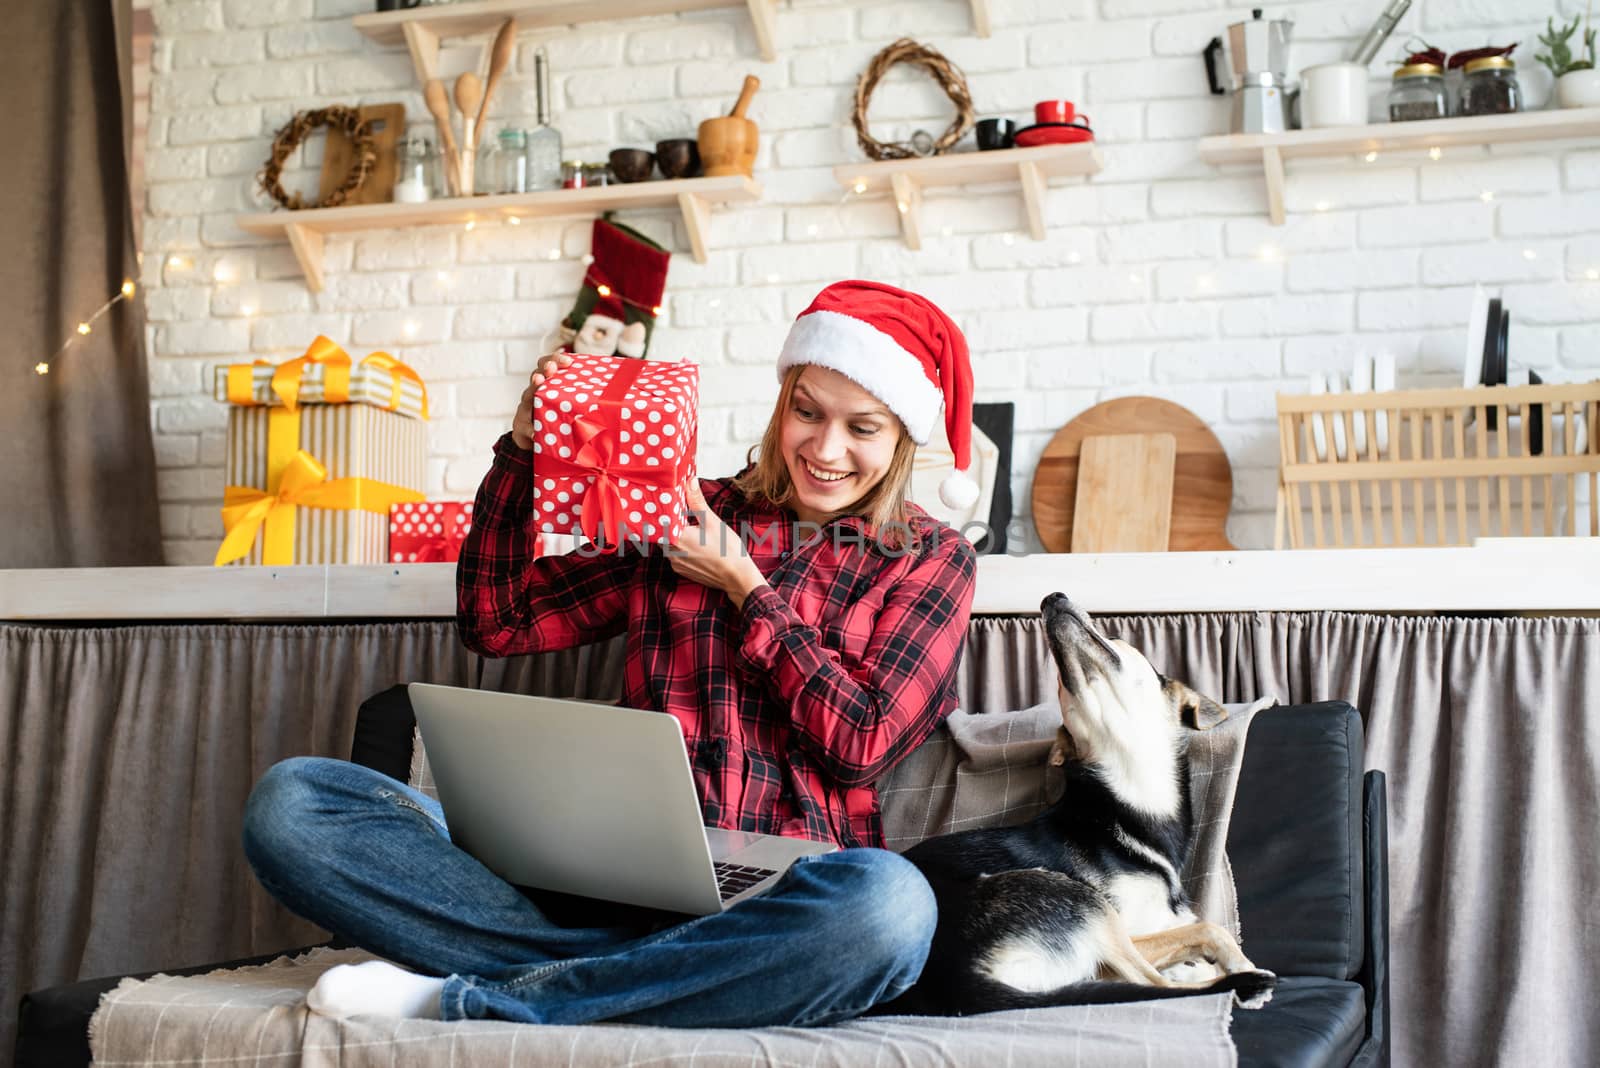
(902, 349)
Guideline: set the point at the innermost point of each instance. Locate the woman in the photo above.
(802, 666)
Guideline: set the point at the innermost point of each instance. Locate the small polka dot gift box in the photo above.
(430, 532)
(615, 442)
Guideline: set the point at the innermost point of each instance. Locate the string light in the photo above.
(86, 327)
(603, 290)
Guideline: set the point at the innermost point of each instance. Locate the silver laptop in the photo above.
(587, 799)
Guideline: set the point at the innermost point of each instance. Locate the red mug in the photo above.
(1054, 111)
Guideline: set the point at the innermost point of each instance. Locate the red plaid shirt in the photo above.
(794, 705)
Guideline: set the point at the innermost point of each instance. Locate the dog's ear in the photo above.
(1196, 710)
(1062, 749)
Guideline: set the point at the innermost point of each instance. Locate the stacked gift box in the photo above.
(319, 449)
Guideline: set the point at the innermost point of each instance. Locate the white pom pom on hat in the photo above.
(898, 346)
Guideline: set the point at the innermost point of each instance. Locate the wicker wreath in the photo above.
(345, 119)
(947, 74)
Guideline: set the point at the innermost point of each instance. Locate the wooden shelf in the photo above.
(1030, 167)
(694, 197)
(1271, 150)
(421, 28)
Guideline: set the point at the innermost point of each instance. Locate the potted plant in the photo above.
(1577, 80)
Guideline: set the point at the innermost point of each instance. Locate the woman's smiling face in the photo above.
(837, 442)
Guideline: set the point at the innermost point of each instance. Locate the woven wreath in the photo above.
(947, 74)
(348, 121)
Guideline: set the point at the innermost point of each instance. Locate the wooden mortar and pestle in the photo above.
(728, 143)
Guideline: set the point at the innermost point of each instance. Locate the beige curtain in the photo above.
(129, 751)
(77, 466)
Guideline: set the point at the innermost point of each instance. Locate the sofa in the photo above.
(1307, 843)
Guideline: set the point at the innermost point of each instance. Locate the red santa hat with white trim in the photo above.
(899, 347)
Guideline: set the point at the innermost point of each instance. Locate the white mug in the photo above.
(1333, 94)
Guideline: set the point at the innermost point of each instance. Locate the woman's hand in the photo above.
(522, 423)
(711, 553)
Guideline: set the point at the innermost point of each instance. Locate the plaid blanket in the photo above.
(975, 771)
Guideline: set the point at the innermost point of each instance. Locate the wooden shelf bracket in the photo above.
(307, 246)
(697, 221)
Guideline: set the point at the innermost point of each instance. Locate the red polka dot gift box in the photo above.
(431, 532)
(615, 440)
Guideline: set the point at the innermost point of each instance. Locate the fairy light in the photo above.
(1323, 205)
(514, 220)
(658, 311)
(1592, 274)
(1435, 152)
(1008, 239)
(223, 272)
(603, 290)
(1371, 157)
(472, 224)
(179, 262)
(86, 327)
(1486, 196)
(553, 255)
(860, 186)
(1529, 254)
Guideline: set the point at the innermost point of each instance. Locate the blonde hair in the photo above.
(883, 507)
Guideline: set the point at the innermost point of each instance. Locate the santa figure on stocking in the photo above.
(621, 295)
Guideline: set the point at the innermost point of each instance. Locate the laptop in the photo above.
(587, 799)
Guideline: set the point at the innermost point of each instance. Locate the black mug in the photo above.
(995, 133)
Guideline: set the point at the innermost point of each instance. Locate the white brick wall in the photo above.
(1160, 276)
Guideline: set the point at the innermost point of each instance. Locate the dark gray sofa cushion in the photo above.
(1295, 844)
(1309, 1022)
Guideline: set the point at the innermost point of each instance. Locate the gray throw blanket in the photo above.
(975, 771)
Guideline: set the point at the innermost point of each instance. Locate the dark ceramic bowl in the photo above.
(631, 164)
(678, 158)
(995, 133)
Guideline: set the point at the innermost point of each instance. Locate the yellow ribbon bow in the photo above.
(305, 482)
(335, 363)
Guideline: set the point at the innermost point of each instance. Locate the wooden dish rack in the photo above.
(1435, 467)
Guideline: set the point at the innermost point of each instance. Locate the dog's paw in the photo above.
(1254, 989)
(1192, 971)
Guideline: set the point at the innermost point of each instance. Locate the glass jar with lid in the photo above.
(596, 174)
(507, 170)
(1489, 87)
(414, 166)
(571, 174)
(1417, 93)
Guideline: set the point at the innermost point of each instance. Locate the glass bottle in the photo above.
(509, 171)
(413, 171)
(1489, 87)
(1417, 93)
(543, 141)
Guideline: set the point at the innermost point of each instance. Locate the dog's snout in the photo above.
(1056, 602)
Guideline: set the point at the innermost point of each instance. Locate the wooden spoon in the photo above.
(439, 107)
(751, 84)
(469, 97)
(499, 60)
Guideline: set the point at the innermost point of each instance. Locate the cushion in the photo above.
(1309, 1022)
(1295, 841)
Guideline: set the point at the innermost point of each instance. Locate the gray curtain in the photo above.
(77, 463)
(128, 753)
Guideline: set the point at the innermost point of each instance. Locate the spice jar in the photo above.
(1489, 87)
(1417, 93)
(413, 170)
(596, 174)
(572, 174)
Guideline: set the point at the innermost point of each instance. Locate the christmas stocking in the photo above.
(621, 295)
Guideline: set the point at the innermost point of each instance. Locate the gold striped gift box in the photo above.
(368, 383)
(352, 441)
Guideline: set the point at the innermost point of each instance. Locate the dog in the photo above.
(1084, 903)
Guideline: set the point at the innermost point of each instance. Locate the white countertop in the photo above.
(1537, 574)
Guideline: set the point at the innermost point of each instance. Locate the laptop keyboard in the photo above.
(735, 879)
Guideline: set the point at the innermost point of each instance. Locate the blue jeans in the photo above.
(370, 859)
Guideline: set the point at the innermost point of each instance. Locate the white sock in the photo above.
(376, 987)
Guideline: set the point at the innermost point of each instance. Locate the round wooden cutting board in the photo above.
(1202, 481)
